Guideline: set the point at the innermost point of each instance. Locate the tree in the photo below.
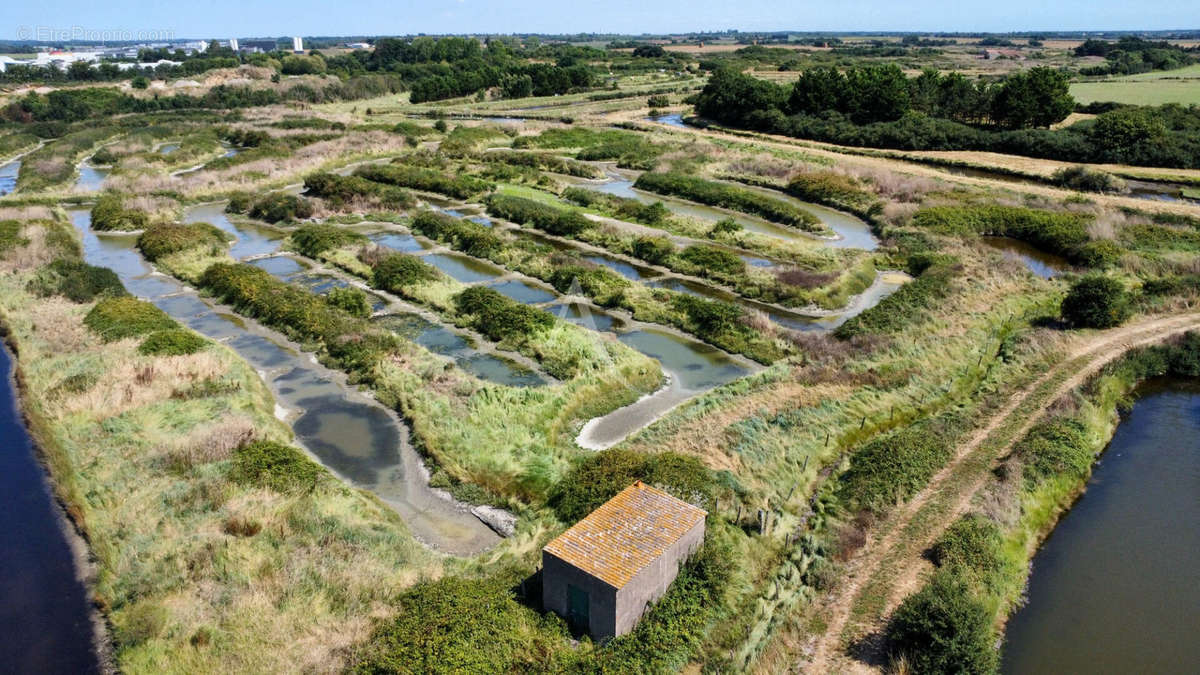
(1037, 97)
(1096, 301)
(649, 51)
(1122, 129)
(817, 90)
(140, 82)
(943, 628)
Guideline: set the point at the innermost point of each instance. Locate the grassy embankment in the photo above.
(210, 551)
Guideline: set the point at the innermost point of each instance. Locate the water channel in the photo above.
(8, 176)
(1116, 586)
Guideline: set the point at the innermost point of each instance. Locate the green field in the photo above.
(1154, 88)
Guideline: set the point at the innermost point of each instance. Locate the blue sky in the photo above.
(244, 18)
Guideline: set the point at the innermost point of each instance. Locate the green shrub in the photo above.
(892, 467)
(972, 543)
(77, 281)
(624, 208)
(397, 271)
(500, 317)
(275, 466)
(344, 191)
(172, 342)
(240, 202)
(601, 284)
(830, 188)
(654, 250)
(119, 318)
(164, 239)
(562, 222)
(313, 239)
(725, 226)
(10, 235)
(110, 213)
(1087, 180)
(711, 318)
(1055, 447)
(599, 477)
(465, 235)
(712, 259)
(904, 307)
(543, 161)
(279, 206)
(457, 186)
(452, 625)
(944, 628)
(728, 196)
(1096, 301)
(353, 301)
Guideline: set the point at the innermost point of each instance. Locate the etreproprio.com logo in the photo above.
(84, 34)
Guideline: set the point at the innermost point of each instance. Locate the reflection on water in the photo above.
(168, 148)
(251, 240)
(443, 341)
(1115, 588)
(466, 269)
(352, 435)
(91, 178)
(524, 292)
(45, 614)
(399, 241)
(8, 177)
(1044, 265)
(673, 119)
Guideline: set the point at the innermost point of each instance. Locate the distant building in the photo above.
(297, 45)
(993, 54)
(358, 45)
(233, 44)
(602, 572)
(257, 46)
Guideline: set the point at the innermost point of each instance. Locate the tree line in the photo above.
(1131, 55)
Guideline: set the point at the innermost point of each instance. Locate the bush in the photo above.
(140, 82)
(944, 628)
(524, 211)
(891, 467)
(600, 476)
(904, 307)
(711, 318)
(164, 239)
(353, 301)
(1064, 234)
(1096, 302)
(728, 196)
(974, 544)
(314, 239)
(1056, 447)
(428, 180)
(452, 625)
(397, 271)
(349, 191)
(119, 318)
(601, 284)
(275, 466)
(830, 188)
(500, 317)
(279, 206)
(725, 226)
(109, 214)
(711, 259)
(654, 250)
(1087, 180)
(543, 161)
(173, 342)
(77, 281)
(240, 202)
(465, 235)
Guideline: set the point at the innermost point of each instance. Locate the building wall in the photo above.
(602, 598)
(653, 580)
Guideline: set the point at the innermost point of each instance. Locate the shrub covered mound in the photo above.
(894, 466)
(277, 206)
(522, 211)
(352, 301)
(427, 180)
(1096, 301)
(350, 191)
(464, 235)
(110, 213)
(944, 628)
(904, 307)
(541, 160)
(396, 271)
(599, 477)
(625, 208)
(164, 239)
(500, 317)
(172, 342)
(275, 466)
(730, 197)
(314, 239)
(77, 281)
(119, 318)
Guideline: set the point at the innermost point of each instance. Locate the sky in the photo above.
(142, 19)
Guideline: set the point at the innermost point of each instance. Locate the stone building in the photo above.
(602, 572)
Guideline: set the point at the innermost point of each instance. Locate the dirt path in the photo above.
(852, 156)
(899, 550)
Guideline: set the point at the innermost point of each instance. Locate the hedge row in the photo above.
(625, 208)
(543, 161)
(730, 197)
(77, 281)
(904, 307)
(562, 222)
(427, 180)
(273, 207)
(500, 317)
(465, 235)
(314, 239)
(110, 214)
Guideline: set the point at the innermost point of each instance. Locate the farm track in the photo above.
(891, 565)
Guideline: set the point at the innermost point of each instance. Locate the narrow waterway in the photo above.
(8, 176)
(45, 615)
(1116, 586)
(345, 430)
(1037, 261)
(91, 178)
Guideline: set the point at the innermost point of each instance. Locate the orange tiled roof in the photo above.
(628, 532)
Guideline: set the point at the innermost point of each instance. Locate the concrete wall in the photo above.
(602, 598)
(653, 580)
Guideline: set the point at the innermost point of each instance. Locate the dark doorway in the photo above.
(577, 609)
